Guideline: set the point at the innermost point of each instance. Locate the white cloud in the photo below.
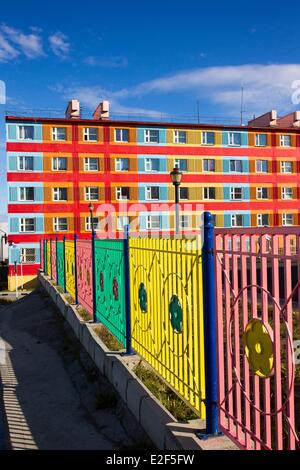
(107, 62)
(14, 42)
(60, 45)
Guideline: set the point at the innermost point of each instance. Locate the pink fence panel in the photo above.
(53, 260)
(84, 274)
(258, 295)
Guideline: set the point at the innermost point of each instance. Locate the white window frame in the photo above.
(56, 224)
(86, 134)
(149, 164)
(19, 133)
(208, 160)
(257, 140)
(183, 198)
(148, 137)
(234, 220)
(259, 220)
(177, 136)
(236, 162)
(148, 192)
(119, 196)
(125, 221)
(88, 225)
(22, 224)
(283, 164)
(56, 159)
(231, 142)
(21, 196)
(23, 159)
(56, 194)
(284, 219)
(87, 193)
(122, 139)
(283, 138)
(261, 170)
(204, 135)
(24, 255)
(187, 218)
(207, 189)
(284, 192)
(87, 163)
(54, 134)
(233, 195)
(149, 222)
(259, 193)
(177, 163)
(118, 164)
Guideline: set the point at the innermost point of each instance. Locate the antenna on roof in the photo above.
(198, 111)
(242, 104)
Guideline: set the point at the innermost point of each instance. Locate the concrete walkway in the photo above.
(52, 396)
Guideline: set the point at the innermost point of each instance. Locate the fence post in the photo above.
(210, 329)
(51, 258)
(94, 276)
(75, 268)
(46, 257)
(56, 240)
(127, 289)
(65, 287)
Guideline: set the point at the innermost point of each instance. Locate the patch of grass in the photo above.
(108, 339)
(165, 395)
(69, 299)
(59, 289)
(106, 400)
(83, 313)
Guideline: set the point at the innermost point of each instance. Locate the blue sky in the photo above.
(158, 57)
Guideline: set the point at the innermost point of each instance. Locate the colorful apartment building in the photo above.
(245, 175)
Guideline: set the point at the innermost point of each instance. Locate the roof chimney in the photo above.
(73, 110)
(266, 120)
(102, 110)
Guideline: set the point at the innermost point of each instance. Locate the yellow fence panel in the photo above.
(48, 258)
(70, 267)
(167, 312)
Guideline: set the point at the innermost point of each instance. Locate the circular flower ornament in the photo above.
(175, 313)
(80, 273)
(143, 297)
(88, 277)
(258, 345)
(101, 281)
(115, 288)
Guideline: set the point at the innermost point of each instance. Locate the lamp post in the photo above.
(176, 176)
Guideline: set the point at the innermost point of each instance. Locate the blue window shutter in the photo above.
(141, 194)
(12, 163)
(14, 255)
(38, 132)
(245, 164)
(14, 224)
(226, 164)
(246, 220)
(11, 131)
(244, 139)
(227, 220)
(140, 136)
(224, 138)
(162, 133)
(38, 194)
(142, 222)
(13, 194)
(38, 163)
(141, 164)
(163, 194)
(39, 224)
(38, 255)
(165, 222)
(246, 193)
(226, 194)
(163, 164)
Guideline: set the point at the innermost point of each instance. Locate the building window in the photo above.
(261, 166)
(181, 164)
(208, 164)
(91, 164)
(59, 164)
(27, 225)
(90, 134)
(262, 220)
(60, 224)
(207, 138)
(151, 136)
(287, 193)
(153, 222)
(183, 193)
(152, 193)
(121, 135)
(122, 221)
(25, 163)
(236, 194)
(122, 193)
(285, 140)
(237, 220)
(27, 255)
(92, 193)
(25, 132)
(286, 167)
(151, 164)
(287, 219)
(261, 140)
(184, 221)
(209, 193)
(262, 193)
(59, 133)
(88, 225)
(122, 164)
(234, 139)
(60, 194)
(179, 137)
(236, 166)
(26, 194)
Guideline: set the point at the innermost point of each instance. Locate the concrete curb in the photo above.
(164, 431)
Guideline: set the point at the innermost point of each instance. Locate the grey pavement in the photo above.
(51, 396)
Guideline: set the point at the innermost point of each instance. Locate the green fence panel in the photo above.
(60, 265)
(110, 288)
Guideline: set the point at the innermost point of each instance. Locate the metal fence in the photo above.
(70, 268)
(84, 274)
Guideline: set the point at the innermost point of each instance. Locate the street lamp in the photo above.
(176, 176)
(91, 208)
